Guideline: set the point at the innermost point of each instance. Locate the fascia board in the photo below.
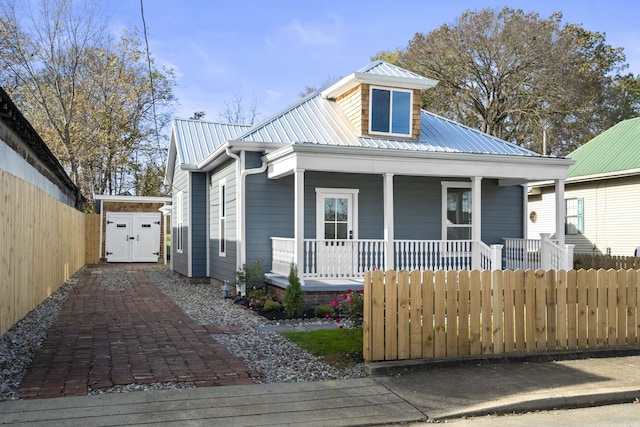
(131, 199)
(588, 178)
(376, 161)
(219, 155)
(354, 79)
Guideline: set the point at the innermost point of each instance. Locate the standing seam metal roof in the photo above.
(616, 149)
(196, 139)
(319, 121)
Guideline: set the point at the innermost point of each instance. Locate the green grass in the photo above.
(339, 347)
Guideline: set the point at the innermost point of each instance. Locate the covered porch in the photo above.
(349, 259)
(334, 250)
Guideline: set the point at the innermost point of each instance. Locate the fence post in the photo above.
(496, 257)
(568, 261)
(544, 251)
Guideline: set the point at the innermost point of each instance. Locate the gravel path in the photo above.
(269, 354)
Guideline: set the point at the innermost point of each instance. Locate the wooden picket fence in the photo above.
(427, 314)
(42, 244)
(588, 261)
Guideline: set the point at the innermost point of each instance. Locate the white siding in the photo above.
(544, 206)
(611, 210)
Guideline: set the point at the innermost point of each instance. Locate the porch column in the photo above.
(388, 221)
(476, 221)
(298, 221)
(560, 210)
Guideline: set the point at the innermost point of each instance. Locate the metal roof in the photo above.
(196, 139)
(616, 149)
(316, 120)
(382, 68)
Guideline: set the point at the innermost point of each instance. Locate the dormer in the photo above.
(381, 100)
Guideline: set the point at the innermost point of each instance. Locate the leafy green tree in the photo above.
(516, 76)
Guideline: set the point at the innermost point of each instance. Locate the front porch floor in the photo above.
(318, 284)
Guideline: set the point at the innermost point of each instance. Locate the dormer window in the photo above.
(390, 111)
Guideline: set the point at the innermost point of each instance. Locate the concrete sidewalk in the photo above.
(410, 396)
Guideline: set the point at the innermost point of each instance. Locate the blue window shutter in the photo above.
(581, 215)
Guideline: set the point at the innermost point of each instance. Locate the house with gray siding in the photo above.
(352, 177)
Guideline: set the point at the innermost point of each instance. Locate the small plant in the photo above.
(252, 276)
(349, 306)
(324, 310)
(257, 298)
(293, 295)
(270, 305)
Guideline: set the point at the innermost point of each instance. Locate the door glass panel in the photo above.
(329, 231)
(342, 209)
(329, 209)
(336, 218)
(342, 231)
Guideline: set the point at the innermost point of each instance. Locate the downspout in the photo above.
(241, 246)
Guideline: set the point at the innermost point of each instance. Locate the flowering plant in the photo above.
(349, 306)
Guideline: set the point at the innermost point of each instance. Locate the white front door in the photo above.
(337, 231)
(132, 237)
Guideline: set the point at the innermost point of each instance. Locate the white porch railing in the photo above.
(446, 255)
(351, 258)
(536, 254)
(282, 255)
(342, 258)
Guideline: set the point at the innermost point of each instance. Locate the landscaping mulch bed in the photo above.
(278, 314)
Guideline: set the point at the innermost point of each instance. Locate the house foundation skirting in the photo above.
(311, 299)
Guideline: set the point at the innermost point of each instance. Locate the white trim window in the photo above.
(574, 216)
(222, 218)
(179, 238)
(456, 211)
(390, 111)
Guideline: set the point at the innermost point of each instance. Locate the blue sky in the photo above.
(271, 50)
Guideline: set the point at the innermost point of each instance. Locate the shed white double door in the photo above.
(133, 237)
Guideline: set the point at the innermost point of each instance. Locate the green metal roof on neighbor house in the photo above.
(615, 150)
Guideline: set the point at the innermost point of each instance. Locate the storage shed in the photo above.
(132, 228)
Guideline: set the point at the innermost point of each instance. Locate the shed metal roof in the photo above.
(614, 150)
(196, 139)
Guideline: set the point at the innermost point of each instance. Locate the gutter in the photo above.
(241, 175)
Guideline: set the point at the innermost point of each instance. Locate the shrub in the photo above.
(324, 310)
(270, 305)
(251, 276)
(257, 297)
(350, 306)
(293, 295)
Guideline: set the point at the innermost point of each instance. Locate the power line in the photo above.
(153, 95)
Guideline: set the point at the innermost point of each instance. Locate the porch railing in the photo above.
(351, 258)
(342, 258)
(282, 255)
(535, 254)
(445, 255)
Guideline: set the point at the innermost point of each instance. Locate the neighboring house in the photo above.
(131, 228)
(23, 154)
(601, 194)
(349, 178)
